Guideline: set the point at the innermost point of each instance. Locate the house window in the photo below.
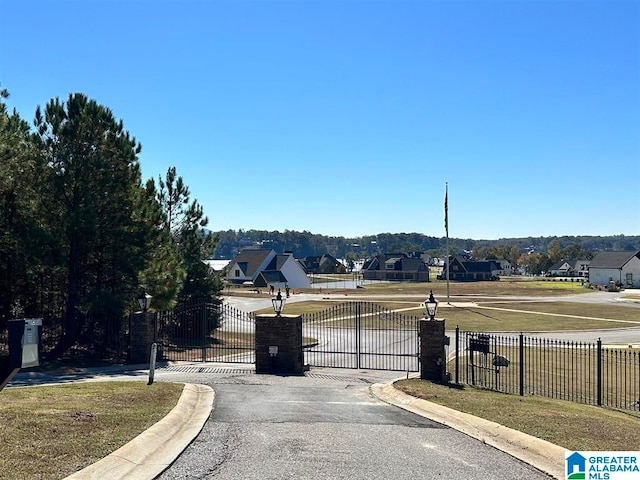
(629, 278)
(237, 273)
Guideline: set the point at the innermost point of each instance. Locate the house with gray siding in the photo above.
(570, 268)
(463, 270)
(395, 267)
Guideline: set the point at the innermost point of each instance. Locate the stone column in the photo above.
(142, 333)
(279, 344)
(433, 361)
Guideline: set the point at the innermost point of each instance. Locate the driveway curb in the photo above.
(150, 453)
(543, 455)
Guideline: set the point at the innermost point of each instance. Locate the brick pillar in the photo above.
(142, 333)
(279, 344)
(433, 362)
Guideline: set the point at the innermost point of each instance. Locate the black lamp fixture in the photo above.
(432, 305)
(278, 303)
(144, 300)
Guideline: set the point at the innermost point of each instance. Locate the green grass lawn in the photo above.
(570, 425)
(50, 432)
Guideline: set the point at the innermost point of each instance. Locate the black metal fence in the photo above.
(195, 331)
(97, 338)
(589, 373)
(206, 331)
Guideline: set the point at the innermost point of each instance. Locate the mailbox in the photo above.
(501, 361)
(24, 342)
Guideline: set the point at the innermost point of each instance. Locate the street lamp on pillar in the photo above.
(278, 303)
(144, 300)
(432, 306)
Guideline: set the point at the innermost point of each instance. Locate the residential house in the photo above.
(563, 268)
(623, 268)
(395, 267)
(323, 264)
(472, 270)
(263, 267)
(570, 268)
(581, 268)
(505, 268)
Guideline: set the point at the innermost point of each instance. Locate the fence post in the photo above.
(599, 372)
(433, 360)
(358, 335)
(521, 354)
(203, 325)
(457, 354)
(141, 335)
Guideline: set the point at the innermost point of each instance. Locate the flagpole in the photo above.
(446, 227)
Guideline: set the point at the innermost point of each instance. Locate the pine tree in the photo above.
(185, 222)
(93, 207)
(20, 232)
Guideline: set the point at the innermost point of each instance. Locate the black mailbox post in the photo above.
(24, 348)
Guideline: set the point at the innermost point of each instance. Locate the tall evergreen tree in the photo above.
(17, 215)
(164, 274)
(93, 206)
(185, 222)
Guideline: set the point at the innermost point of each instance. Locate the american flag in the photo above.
(446, 209)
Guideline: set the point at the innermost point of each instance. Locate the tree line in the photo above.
(80, 233)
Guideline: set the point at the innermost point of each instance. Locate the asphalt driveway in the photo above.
(326, 425)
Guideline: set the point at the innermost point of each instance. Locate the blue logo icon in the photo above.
(576, 467)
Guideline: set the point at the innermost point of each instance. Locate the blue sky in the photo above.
(347, 117)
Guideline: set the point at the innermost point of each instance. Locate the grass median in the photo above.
(506, 316)
(570, 425)
(50, 432)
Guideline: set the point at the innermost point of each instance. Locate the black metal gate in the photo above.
(361, 335)
(205, 331)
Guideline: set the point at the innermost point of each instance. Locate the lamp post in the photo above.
(144, 300)
(432, 306)
(278, 303)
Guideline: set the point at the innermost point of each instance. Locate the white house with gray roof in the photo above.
(623, 268)
(263, 267)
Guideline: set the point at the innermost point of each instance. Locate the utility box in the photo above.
(24, 348)
(24, 342)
